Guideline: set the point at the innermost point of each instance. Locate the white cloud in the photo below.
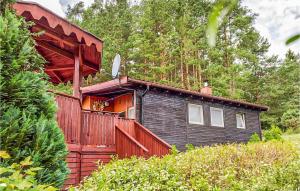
(277, 20)
(59, 6)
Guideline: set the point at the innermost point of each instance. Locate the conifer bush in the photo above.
(271, 166)
(27, 122)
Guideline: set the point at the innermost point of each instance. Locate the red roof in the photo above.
(127, 81)
(59, 42)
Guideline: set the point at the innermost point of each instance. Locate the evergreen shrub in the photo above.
(274, 133)
(28, 127)
(272, 165)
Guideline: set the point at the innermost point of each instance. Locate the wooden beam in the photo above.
(58, 76)
(55, 49)
(65, 54)
(77, 76)
(62, 67)
(91, 66)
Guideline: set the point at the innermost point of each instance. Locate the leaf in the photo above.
(216, 17)
(4, 170)
(4, 155)
(36, 168)
(26, 161)
(292, 39)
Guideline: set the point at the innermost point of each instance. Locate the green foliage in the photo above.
(219, 12)
(281, 85)
(27, 122)
(174, 150)
(292, 39)
(291, 119)
(189, 147)
(165, 42)
(274, 133)
(258, 166)
(62, 87)
(254, 138)
(17, 177)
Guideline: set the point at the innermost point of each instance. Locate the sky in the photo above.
(277, 20)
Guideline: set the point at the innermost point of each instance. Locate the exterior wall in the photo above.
(165, 114)
(122, 103)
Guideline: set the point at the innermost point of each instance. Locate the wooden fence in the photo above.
(69, 117)
(154, 144)
(127, 146)
(96, 136)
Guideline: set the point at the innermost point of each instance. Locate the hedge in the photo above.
(273, 165)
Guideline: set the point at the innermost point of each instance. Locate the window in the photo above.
(216, 117)
(195, 114)
(131, 113)
(240, 121)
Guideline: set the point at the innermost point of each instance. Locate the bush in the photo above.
(27, 120)
(290, 131)
(254, 138)
(291, 119)
(259, 166)
(21, 176)
(274, 133)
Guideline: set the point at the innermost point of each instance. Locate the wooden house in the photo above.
(176, 115)
(91, 135)
(126, 117)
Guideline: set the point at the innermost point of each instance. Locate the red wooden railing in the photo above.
(93, 136)
(126, 125)
(69, 117)
(98, 129)
(127, 146)
(154, 144)
(143, 136)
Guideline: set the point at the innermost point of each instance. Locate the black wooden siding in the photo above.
(165, 114)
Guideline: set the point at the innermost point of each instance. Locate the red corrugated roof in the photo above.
(37, 12)
(125, 81)
(59, 42)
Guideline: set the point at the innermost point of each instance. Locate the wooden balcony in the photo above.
(96, 136)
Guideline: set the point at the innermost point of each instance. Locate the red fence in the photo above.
(69, 117)
(98, 129)
(143, 136)
(93, 136)
(154, 144)
(127, 146)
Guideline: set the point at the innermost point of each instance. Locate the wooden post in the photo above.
(77, 77)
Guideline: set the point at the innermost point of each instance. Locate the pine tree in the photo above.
(27, 122)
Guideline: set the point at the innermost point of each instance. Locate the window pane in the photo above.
(131, 113)
(195, 114)
(216, 116)
(240, 120)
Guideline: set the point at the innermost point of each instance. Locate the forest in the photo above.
(160, 41)
(165, 42)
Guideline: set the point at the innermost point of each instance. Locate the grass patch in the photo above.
(294, 138)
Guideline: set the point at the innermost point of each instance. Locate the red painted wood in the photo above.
(154, 144)
(127, 146)
(93, 137)
(69, 118)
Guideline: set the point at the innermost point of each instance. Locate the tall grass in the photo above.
(262, 166)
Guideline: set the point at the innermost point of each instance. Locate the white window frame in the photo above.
(244, 120)
(211, 121)
(129, 109)
(201, 113)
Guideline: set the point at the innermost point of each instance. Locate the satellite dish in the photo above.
(116, 66)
